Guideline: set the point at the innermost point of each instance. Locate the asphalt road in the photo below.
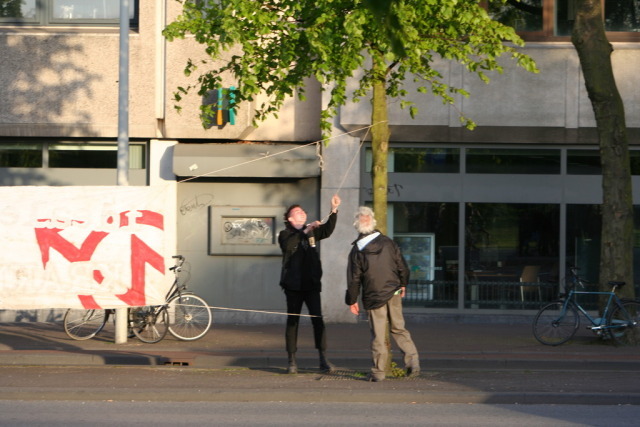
(176, 384)
(109, 414)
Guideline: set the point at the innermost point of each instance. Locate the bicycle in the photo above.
(186, 316)
(557, 322)
(190, 317)
(82, 324)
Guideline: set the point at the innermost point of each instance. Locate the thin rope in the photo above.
(355, 155)
(321, 159)
(249, 310)
(344, 176)
(248, 161)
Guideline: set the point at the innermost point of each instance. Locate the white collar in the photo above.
(366, 240)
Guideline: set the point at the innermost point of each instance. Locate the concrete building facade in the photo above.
(473, 210)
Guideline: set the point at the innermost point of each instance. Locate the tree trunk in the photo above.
(594, 51)
(379, 145)
(380, 153)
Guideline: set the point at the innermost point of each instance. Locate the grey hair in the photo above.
(364, 211)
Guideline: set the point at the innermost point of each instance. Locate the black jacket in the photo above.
(301, 268)
(379, 270)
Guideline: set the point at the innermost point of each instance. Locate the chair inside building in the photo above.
(530, 280)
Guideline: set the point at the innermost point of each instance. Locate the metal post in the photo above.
(123, 136)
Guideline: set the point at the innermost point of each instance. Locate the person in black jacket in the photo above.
(377, 268)
(301, 276)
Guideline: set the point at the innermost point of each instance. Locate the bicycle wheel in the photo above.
(622, 324)
(149, 323)
(189, 317)
(553, 325)
(82, 324)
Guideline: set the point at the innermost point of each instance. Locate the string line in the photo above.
(249, 310)
(321, 165)
(321, 160)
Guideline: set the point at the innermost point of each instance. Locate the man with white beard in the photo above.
(377, 269)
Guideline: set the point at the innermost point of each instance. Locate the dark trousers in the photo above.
(295, 299)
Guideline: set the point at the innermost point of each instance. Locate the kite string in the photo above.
(318, 153)
(321, 165)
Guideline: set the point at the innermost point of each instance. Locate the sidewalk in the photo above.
(442, 346)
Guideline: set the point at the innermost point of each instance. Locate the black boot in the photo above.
(293, 367)
(325, 365)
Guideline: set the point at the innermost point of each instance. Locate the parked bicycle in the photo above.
(557, 322)
(82, 324)
(186, 316)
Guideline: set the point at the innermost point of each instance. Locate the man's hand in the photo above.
(335, 202)
(403, 291)
(309, 227)
(355, 309)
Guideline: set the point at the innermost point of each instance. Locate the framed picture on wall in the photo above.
(245, 230)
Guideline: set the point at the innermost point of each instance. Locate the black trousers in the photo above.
(295, 299)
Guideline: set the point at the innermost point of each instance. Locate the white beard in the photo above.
(365, 229)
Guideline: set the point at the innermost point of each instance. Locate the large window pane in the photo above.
(587, 162)
(426, 160)
(565, 16)
(622, 15)
(584, 224)
(428, 234)
(21, 156)
(523, 15)
(513, 161)
(584, 227)
(96, 156)
(583, 162)
(511, 255)
(65, 12)
(420, 160)
(88, 9)
(18, 9)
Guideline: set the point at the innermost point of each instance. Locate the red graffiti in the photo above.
(141, 255)
(50, 238)
(89, 302)
(146, 217)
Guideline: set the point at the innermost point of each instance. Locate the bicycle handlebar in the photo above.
(176, 268)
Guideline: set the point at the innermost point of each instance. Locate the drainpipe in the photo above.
(160, 68)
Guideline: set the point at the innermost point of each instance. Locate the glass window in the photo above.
(426, 160)
(584, 228)
(622, 15)
(428, 232)
(420, 160)
(18, 10)
(21, 155)
(524, 15)
(93, 156)
(583, 162)
(587, 162)
(546, 19)
(88, 10)
(565, 16)
(511, 255)
(66, 12)
(584, 225)
(513, 161)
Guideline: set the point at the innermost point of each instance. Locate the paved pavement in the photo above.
(461, 363)
(442, 345)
